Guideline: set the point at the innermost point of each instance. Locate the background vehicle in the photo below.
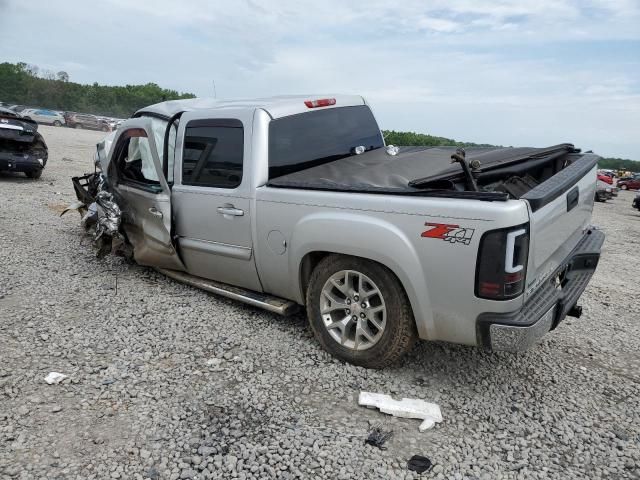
(604, 191)
(48, 117)
(85, 120)
(297, 201)
(17, 108)
(630, 183)
(605, 178)
(22, 148)
(636, 202)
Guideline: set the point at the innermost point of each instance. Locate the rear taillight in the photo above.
(323, 102)
(502, 263)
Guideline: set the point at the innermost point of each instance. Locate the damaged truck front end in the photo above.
(125, 202)
(100, 213)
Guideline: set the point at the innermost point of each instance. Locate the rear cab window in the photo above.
(309, 139)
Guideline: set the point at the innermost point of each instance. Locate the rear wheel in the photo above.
(57, 123)
(623, 186)
(35, 174)
(359, 311)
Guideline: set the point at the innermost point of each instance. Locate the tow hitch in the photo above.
(575, 311)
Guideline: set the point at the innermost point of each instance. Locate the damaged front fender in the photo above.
(100, 214)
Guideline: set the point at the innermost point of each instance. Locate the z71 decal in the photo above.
(448, 233)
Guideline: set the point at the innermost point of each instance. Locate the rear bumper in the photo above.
(548, 306)
(19, 162)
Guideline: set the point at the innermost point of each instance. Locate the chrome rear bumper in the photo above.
(548, 306)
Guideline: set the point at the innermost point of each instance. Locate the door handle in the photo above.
(573, 197)
(230, 210)
(155, 212)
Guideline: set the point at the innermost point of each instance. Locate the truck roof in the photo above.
(277, 107)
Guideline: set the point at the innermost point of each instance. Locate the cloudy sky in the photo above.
(533, 72)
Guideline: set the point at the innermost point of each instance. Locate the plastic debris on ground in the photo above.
(419, 464)
(429, 413)
(54, 378)
(377, 437)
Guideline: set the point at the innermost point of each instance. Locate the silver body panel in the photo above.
(438, 276)
(556, 231)
(214, 244)
(147, 220)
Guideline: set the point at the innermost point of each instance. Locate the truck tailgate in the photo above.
(560, 212)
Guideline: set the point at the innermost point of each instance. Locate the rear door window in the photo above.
(302, 141)
(213, 153)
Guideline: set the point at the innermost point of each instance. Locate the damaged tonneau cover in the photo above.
(412, 169)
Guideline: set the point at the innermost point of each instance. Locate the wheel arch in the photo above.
(315, 238)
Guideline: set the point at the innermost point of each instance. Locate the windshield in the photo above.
(313, 138)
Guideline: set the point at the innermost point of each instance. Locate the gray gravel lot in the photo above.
(169, 382)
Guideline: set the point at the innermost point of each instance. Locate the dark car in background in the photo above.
(85, 120)
(22, 148)
(636, 202)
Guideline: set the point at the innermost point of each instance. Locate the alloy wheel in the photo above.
(353, 310)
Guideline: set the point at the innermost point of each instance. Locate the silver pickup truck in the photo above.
(297, 201)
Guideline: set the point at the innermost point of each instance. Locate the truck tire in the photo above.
(359, 312)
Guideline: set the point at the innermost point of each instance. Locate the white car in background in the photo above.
(48, 117)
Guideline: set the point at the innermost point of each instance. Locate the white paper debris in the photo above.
(429, 413)
(54, 378)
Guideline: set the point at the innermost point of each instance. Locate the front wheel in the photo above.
(359, 311)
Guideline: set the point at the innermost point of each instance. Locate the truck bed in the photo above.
(425, 171)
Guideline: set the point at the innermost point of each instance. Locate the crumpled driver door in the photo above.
(135, 174)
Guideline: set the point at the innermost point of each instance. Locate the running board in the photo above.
(260, 300)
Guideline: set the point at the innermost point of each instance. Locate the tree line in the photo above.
(25, 84)
(419, 139)
(392, 137)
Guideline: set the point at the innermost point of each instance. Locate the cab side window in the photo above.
(134, 159)
(213, 153)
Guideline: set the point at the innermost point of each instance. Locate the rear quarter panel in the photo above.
(435, 263)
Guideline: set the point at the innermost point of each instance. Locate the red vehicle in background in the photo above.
(632, 183)
(605, 178)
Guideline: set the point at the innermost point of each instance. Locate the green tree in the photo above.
(26, 84)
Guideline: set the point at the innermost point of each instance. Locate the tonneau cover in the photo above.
(378, 171)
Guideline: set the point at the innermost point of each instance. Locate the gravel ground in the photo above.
(167, 382)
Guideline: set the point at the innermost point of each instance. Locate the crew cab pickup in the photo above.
(297, 201)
